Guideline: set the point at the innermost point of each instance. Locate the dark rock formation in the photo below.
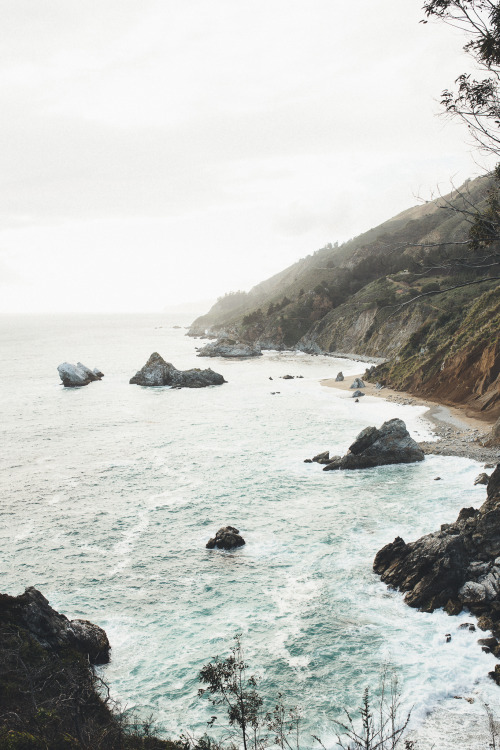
(52, 630)
(357, 383)
(156, 372)
(455, 567)
(339, 377)
(230, 349)
(75, 376)
(391, 444)
(357, 394)
(226, 538)
(481, 479)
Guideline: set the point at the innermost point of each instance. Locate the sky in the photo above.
(156, 153)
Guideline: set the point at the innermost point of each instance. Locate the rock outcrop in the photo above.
(75, 376)
(230, 349)
(455, 567)
(52, 630)
(391, 444)
(226, 538)
(156, 372)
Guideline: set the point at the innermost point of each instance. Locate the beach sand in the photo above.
(458, 434)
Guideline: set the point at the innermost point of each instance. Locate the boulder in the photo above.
(52, 630)
(391, 444)
(75, 376)
(357, 383)
(156, 372)
(288, 377)
(230, 349)
(339, 378)
(226, 538)
(481, 479)
(357, 394)
(457, 566)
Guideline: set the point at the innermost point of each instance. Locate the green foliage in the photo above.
(254, 317)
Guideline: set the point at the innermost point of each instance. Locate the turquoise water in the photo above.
(109, 494)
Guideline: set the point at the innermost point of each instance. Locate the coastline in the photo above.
(458, 433)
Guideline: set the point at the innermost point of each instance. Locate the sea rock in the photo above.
(52, 630)
(320, 456)
(339, 378)
(357, 394)
(357, 383)
(76, 376)
(226, 538)
(288, 377)
(391, 444)
(230, 349)
(481, 479)
(455, 567)
(156, 372)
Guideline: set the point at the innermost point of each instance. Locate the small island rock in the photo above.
(230, 349)
(156, 373)
(226, 538)
(76, 376)
(391, 444)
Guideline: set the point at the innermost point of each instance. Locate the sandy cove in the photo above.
(459, 434)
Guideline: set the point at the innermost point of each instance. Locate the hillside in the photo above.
(359, 299)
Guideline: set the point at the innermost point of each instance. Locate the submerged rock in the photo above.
(226, 538)
(391, 444)
(76, 376)
(52, 630)
(229, 348)
(456, 567)
(156, 372)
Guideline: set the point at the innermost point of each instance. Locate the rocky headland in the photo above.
(156, 373)
(76, 376)
(456, 567)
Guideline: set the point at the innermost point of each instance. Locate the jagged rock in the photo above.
(357, 383)
(76, 376)
(230, 349)
(339, 378)
(156, 372)
(391, 444)
(52, 630)
(481, 479)
(226, 538)
(288, 377)
(320, 456)
(458, 565)
(357, 394)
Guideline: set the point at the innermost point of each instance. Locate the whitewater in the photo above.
(109, 494)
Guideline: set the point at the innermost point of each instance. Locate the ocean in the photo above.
(109, 494)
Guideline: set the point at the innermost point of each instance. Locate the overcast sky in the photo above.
(154, 153)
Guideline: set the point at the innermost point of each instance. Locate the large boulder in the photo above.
(455, 567)
(391, 444)
(357, 383)
(52, 630)
(75, 376)
(230, 349)
(156, 372)
(226, 538)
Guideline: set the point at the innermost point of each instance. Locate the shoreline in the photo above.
(458, 434)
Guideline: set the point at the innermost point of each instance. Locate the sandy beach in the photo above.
(458, 433)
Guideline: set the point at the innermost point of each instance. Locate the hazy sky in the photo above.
(160, 152)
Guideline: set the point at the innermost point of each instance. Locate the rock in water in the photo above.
(75, 376)
(52, 630)
(357, 383)
(455, 567)
(391, 444)
(226, 538)
(481, 479)
(229, 348)
(357, 394)
(339, 378)
(156, 372)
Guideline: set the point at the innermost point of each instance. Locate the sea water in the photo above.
(109, 494)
